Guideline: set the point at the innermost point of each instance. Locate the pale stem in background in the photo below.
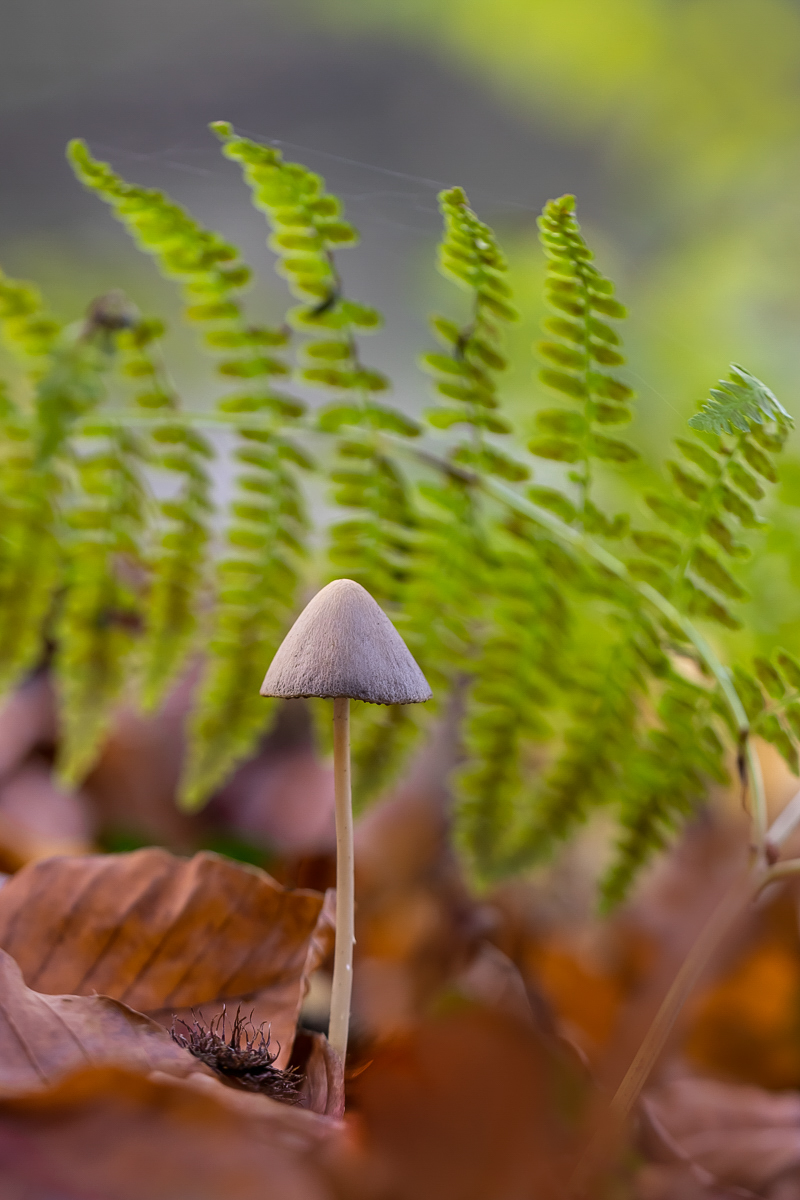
(345, 885)
(758, 800)
(786, 822)
(760, 876)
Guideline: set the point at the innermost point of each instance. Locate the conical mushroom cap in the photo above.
(343, 644)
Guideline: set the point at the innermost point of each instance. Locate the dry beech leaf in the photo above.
(164, 935)
(737, 1136)
(28, 718)
(122, 1136)
(745, 1025)
(298, 1126)
(132, 786)
(604, 979)
(471, 1106)
(39, 818)
(322, 1087)
(44, 1037)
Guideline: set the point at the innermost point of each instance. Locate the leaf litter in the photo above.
(486, 1029)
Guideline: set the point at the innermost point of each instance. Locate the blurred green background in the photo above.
(676, 123)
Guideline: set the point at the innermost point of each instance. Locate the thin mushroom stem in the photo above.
(345, 889)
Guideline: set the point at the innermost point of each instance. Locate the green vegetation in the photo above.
(575, 638)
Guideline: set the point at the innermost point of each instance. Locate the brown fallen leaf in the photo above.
(470, 1106)
(116, 1135)
(43, 1038)
(131, 788)
(28, 719)
(604, 979)
(165, 935)
(39, 818)
(322, 1086)
(745, 1025)
(728, 1136)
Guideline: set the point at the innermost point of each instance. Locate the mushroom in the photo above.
(343, 647)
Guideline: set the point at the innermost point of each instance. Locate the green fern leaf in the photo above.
(738, 403)
(574, 285)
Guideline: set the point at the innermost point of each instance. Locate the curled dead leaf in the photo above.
(322, 1072)
(165, 935)
(745, 1025)
(470, 1106)
(44, 1037)
(723, 1135)
(122, 1136)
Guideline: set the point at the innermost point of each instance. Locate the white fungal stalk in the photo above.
(343, 647)
(345, 881)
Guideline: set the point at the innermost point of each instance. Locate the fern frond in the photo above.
(717, 484)
(207, 267)
(665, 781)
(771, 696)
(610, 690)
(371, 545)
(307, 227)
(580, 297)
(99, 615)
(384, 737)
(177, 561)
(454, 530)
(466, 376)
(258, 579)
(30, 557)
(27, 328)
(65, 370)
(514, 675)
(544, 632)
(737, 404)
(451, 585)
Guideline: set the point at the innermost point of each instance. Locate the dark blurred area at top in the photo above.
(145, 79)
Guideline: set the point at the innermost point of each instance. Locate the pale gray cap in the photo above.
(343, 644)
